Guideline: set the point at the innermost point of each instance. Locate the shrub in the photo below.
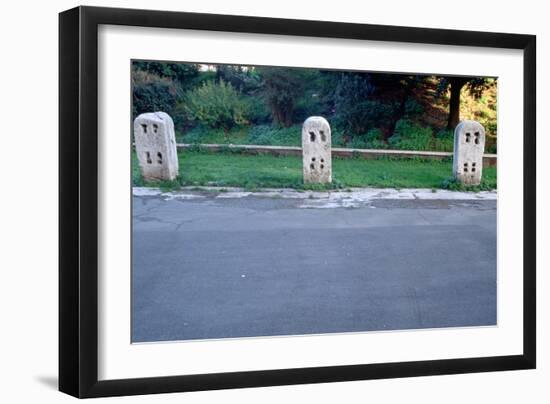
(153, 93)
(338, 139)
(275, 136)
(413, 108)
(410, 136)
(196, 136)
(356, 111)
(258, 111)
(373, 139)
(215, 105)
(204, 135)
(308, 105)
(452, 184)
(281, 89)
(443, 141)
(182, 73)
(491, 144)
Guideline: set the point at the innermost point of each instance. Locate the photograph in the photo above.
(253, 201)
(280, 202)
(273, 201)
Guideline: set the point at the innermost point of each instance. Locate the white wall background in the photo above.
(28, 206)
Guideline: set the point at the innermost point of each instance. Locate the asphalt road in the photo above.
(217, 266)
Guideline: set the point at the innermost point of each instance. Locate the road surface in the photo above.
(231, 264)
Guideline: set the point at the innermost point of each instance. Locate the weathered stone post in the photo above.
(316, 150)
(469, 146)
(156, 146)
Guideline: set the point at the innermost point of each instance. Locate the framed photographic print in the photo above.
(251, 201)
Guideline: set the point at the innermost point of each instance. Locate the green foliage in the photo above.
(198, 135)
(215, 105)
(488, 183)
(413, 108)
(443, 141)
(338, 137)
(355, 109)
(256, 105)
(258, 112)
(475, 85)
(373, 139)
(306, 106)
(410, 136)
(153, 93)
(282, 87)
(491, 144)
(204, 77)
(363, 101)
(183, 74)
(275, 136)
(203, 135)
(242, 78)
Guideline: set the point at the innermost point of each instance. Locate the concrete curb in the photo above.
(355, 194)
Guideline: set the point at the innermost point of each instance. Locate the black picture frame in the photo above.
(78, 201)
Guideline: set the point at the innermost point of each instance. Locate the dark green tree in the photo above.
(243, 78)
(183, 74)
(363, 101)
(475, 85)
(281, 89)
(151, 92)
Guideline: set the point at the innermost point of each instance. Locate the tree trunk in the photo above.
(282, 114)
(456, 84)
(276, 114)
(288, 118)
(399, 112)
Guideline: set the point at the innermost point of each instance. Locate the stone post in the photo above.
(469, 146)
(316, 151)
(155, 142)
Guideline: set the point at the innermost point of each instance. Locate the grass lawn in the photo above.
(230, 169)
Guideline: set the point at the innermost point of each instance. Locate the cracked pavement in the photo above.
(230, 263)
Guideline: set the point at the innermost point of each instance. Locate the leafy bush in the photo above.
(452, 184)
(373, 139)
(215, 105)
(274, 136)
(258, 112)
(355, 109)
(197, 135)
(201, 134)
(410, 136)
(413, 108)
(183, 74)
(306, 106)
(282, 89)
(338, 139)
(153, 93)
(491, 144)
(242, 78)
